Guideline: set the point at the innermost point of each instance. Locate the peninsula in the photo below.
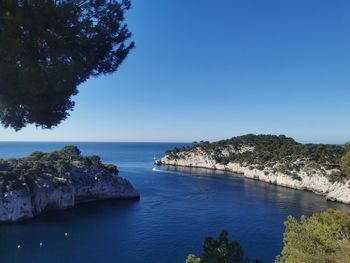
(273, 159)
(57, 180)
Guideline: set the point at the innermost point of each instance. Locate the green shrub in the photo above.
(345, 164)
(59, 181)
(62, 166)
(95, 159)
(70, 150)
(193, 259)
(295, 176)
(337, 176)
(111, 168)
(221, 250)
(321, 238)
(35, 156)
(260, 167)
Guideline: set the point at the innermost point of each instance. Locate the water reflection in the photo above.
(283, 198)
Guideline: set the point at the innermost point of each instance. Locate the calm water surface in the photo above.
(177, 210)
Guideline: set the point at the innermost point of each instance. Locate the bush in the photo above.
(295, 176)
(321, 238)
(35, 156)
(59, 181)
(345, 164)
(221, 251)
(62, 166)
(95, 159)
(260, 167)
(337, 176)
(193, 259)
(71, 150)
(111, 168)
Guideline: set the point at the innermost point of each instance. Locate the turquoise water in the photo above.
(177, 209)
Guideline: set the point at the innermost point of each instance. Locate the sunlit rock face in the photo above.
(58, 180)
(310, 179)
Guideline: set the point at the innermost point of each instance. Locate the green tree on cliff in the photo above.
(48, 48)
(345, 161)
(221, 251)
(193, 259)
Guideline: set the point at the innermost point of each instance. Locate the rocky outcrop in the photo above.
(60, 180)
(307, 178)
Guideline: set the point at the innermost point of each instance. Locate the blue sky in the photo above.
(208, 70)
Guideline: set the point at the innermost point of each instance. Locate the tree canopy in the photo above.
(345, 161)
(277, 153)
(54, 166)
(48, 48)
(221, 251)
(323, 238)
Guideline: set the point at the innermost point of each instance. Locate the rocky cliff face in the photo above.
(307, 178)
(59, 180)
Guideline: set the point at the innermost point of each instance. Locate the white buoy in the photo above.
(41, 244)
(66, 234)
(18, 246)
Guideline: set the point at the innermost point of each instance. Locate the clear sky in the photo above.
(207, 70)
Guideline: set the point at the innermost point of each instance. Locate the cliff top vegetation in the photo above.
(263, 151)
(53, 166)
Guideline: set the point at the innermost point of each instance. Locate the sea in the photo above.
(178, 208)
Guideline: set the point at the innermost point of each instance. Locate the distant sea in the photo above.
(177, 210)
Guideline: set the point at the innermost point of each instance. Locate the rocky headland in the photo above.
(273, 159)
(58, 180)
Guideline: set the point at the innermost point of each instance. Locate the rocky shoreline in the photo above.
(60, 180)
(314, 181)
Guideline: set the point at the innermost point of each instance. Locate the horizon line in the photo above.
(1, 141)
(185, 142)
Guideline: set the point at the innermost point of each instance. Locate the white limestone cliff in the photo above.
(310, 180)
(83, 182)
